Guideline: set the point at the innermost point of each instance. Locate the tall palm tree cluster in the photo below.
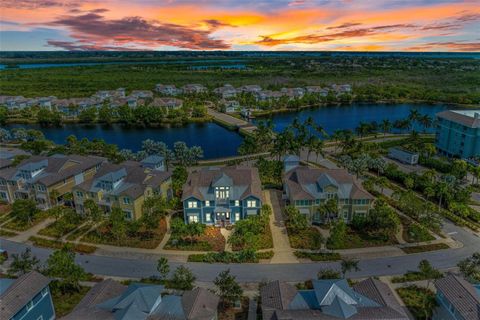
(386, 126)
(181, 153)
(300, 136)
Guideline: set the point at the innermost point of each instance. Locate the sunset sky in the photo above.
(360, 25)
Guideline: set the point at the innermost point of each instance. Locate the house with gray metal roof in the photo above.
(222, 196)
(333, 299)
(47, 179)
(112, 300)
(307, 188)
(458, 133)
(125, 186)
(457, 299)
(26, 298)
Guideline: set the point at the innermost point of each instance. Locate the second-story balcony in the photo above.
(222, 201)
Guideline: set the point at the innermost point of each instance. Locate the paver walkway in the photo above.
(23, 236)
(283, 253)
(226, 234)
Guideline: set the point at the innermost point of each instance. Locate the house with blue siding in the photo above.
(331, 299)
(222, 196)
(458, 133)
(457, 299)
(110, 300)
(26, 298)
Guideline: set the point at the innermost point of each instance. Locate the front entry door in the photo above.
(222, 218)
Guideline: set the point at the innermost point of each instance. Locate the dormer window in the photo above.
(222, 192)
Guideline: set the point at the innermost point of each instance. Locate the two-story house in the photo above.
(222, 196)
(111, 300)
(193, 88)
(167, 89)
(125, 186)
(26, 298)
(456, 299)
(47, 179)
(307, 188)
(369, 299)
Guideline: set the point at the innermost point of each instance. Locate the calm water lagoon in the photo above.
(217, 141)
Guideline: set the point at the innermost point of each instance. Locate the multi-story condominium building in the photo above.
(193, 88)
(167, 89)
(369, 299)
(307, 188)
(457, 299)
(222, 196)
(46, 179)
(125, 186)
(111, 300)
(26, 298)
(458, 133)
(226, 92)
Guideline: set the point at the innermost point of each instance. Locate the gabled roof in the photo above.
(135, 180)
(21, 291)
(243, 182)
(56, 168)
(303, 182)
(329, 300)
(199, 304)
(461, 294)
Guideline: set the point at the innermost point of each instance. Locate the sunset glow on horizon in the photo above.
(324, 25)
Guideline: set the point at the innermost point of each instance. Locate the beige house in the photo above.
(125, 186)
(307, 188)
(46, 179)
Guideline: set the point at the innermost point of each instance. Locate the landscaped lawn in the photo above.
(4, 217)
(425, 248)
(318, 256)
(18, 225)
(309, 238)
(232, 313)
(419, 301)
(80, 231)
(55, 244)
(246, 256)
(362, 240)
(146, 240)
(60, 227)
(6, 233)
(5, 208)
(65, 302)
(414, 232)
(211, 240)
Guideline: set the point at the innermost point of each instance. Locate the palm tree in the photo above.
(414, 115)
(386, 126)
(426, 122)
(348, 265)
(319, 148)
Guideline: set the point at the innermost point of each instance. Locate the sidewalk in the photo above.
(283, 253)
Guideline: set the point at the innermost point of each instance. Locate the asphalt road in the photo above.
(110, 266)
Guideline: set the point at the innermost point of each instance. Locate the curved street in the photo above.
(138, 268)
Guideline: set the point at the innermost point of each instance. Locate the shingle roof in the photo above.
(200, 304)
(303, 183)
(20, 292)
(244, 181)
(56, 168)
(135, 178)
(101, 292)
(461, 294)
(462, 118)
(335, 299)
